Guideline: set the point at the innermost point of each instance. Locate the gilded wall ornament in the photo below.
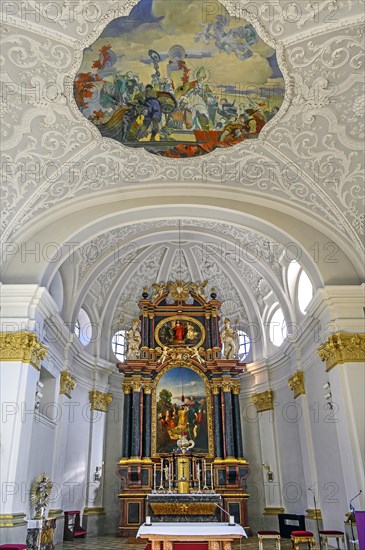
(68, 383)
(341, 348)
(263, 401)
(100, 401)
(22, 346)
(296, 383)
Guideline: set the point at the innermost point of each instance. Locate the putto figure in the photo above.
(134, 341)
(229, 339)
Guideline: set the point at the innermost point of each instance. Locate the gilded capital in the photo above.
(24, 347)
(236, 388)
(341, 348)
(147, 388)
(216, 389)
(68, 383)
(136, 386)
(296, 383)
(100, 401)
(226, 386)
(126, 387)
(263, 401)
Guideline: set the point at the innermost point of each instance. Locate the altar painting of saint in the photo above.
(180, 332)
(174, 417)
(195, 79)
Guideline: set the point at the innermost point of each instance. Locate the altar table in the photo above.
(218, 535)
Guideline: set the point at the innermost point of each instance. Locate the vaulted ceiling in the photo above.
(109, 219)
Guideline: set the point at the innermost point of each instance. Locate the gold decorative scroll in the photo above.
(175, 356)
(263, 401)
(22, 346)
(296, 383)
(100, 401)
(68, 383)
(183, 508)
(341, 348)
(178, 290)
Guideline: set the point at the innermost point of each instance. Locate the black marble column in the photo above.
(237, 424)
(127, 416)
(228, 422)
(218, 431)
(147, 420)
(136, 423)
(208, 333)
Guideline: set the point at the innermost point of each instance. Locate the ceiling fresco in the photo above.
(179, 79)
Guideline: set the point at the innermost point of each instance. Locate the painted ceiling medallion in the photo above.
(179, 79)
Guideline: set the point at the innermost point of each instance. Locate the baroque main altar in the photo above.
(182, 456)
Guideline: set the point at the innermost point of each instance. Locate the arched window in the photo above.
(292, 275)
(119, 345)
(278, 330)
(244, 345)
(305, 291)
(83, 327)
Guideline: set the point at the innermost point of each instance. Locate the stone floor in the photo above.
(113, 543)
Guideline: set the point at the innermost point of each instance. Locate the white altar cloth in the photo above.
(193, 529)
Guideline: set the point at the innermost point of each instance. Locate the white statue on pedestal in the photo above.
(229, 339)
(134, 340)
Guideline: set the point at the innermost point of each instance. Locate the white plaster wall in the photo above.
(331, 486)
(293, 485)
(113, 453)
(252, 453)
(74, 484)
(41, 451)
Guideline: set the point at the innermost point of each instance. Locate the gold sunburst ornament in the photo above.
(40, 495)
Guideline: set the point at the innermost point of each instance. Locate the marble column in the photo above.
(147, 420)
(127, 408)
(136, 421)
(228, 420)
(218, 431)
(237, 422)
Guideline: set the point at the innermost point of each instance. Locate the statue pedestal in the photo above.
(184, 507)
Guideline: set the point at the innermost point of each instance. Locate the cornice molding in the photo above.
(342, 348)
(23, 347)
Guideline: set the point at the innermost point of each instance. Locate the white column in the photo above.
(19, 373)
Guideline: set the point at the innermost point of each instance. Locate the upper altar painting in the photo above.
(179, 78)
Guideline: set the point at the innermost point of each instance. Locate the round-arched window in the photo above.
(305, 291)
(277, 330)
(119, 345)
(83, 327)
(244, 345)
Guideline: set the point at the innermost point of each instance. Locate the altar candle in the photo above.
(154, 476)
(205, 472)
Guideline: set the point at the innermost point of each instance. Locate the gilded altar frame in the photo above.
(191, 366)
